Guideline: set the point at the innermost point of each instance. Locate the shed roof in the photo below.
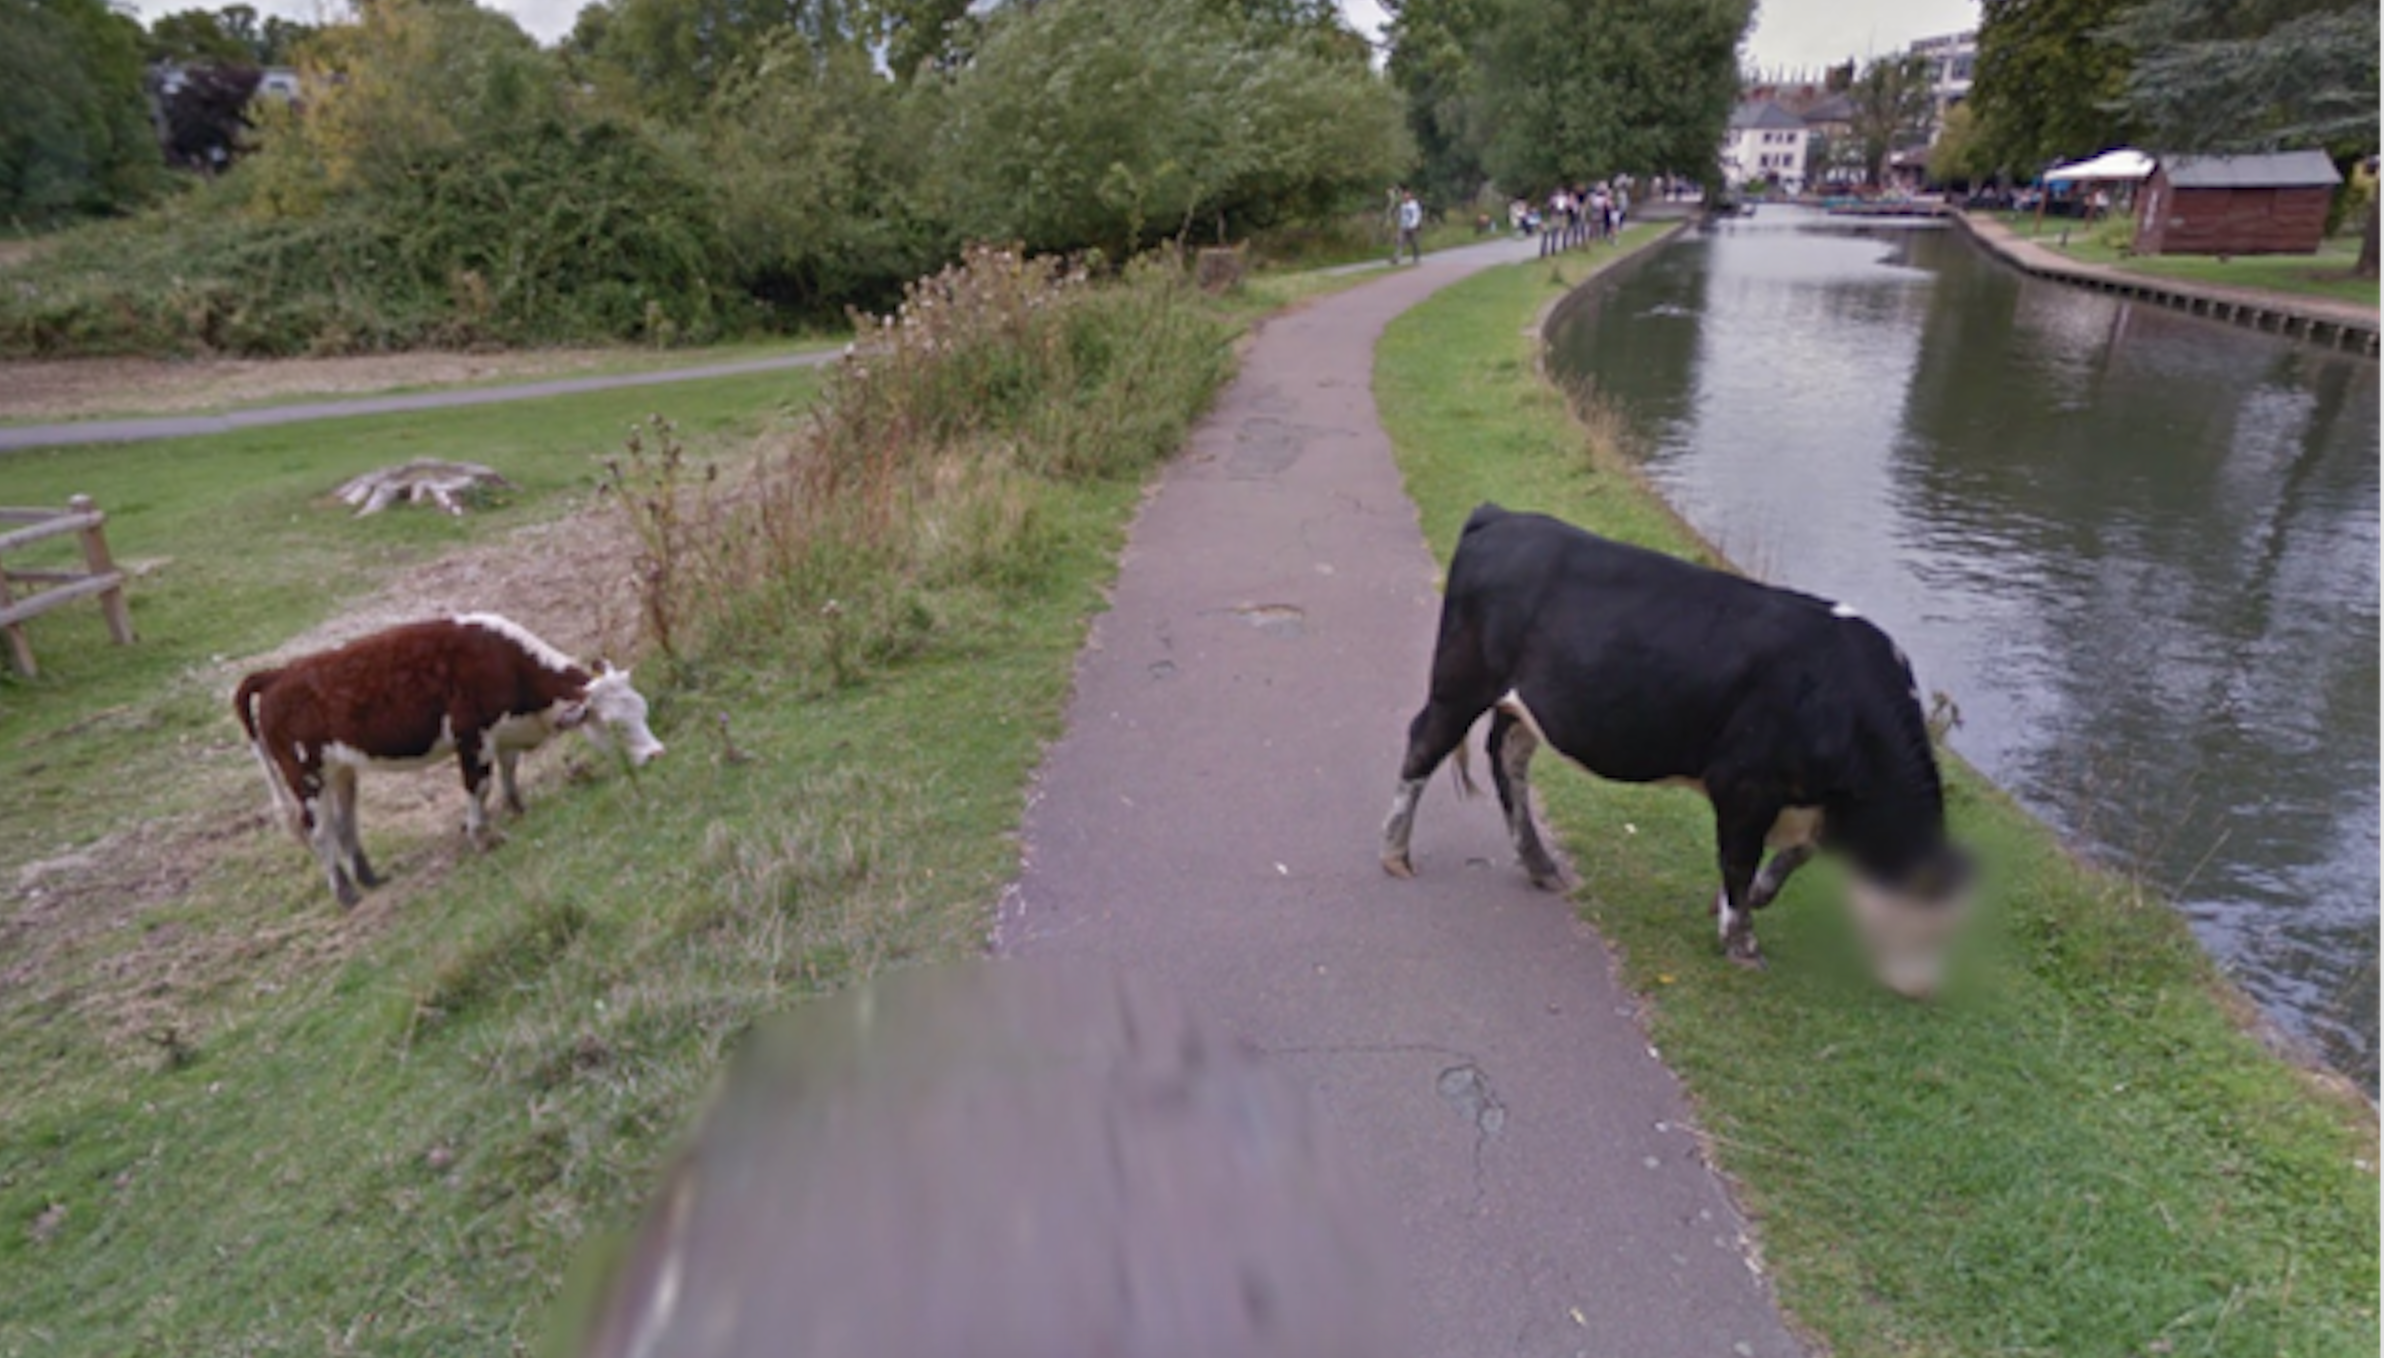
(1765, 115)
(2279, 170)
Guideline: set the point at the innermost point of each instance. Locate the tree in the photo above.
(1579, 89)
(1892, 100)
(197, 37)
(2049, 82)
(74, 123)
(206, 115)
(672, 55)
(2259, 75)
(1956, 156)
(1115, 122)
(1433, 64)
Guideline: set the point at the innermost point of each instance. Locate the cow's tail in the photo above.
(244, 701)
(1462, 768)
(244, 706)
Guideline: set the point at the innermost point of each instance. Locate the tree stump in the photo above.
(449, 485)
(1218, 267)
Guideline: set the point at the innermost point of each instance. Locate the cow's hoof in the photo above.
(1747, 955)
(1396, 864)
(1550, 880)
(367, 878)
(348, 896)
(486, 838)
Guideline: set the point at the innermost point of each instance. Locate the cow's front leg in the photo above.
(1511, 745)
(476, 770)
(506, 759)
(1775, 874)
(1741, 840)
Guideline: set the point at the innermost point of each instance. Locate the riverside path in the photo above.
(1210, 821)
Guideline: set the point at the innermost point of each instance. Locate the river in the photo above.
(2138, 549)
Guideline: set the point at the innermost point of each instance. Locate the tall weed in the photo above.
(911, 497)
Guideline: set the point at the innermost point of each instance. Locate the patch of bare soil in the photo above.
(80, 388)
(95, 935)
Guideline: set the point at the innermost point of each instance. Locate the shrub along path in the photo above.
(1210, 820)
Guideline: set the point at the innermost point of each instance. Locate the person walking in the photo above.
(1411, 227)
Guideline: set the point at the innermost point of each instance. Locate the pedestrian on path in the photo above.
(1411, 227)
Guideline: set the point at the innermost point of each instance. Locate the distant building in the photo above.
(1953, 60)
(1765, 142)
(2236, 205)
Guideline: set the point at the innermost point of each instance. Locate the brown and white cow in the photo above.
(476, 685)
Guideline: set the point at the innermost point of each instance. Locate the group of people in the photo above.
(1575, 215)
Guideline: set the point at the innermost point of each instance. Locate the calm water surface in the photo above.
(2139, 550)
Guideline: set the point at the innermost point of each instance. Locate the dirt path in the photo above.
(186, 426)
(1211, 818)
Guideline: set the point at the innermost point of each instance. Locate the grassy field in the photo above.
(238, 1120)
(2076, 1151)
(2325, 274)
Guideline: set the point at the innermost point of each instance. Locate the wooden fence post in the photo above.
(95, 558)
(20, 650)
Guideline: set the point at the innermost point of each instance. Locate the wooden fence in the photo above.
(54, 587)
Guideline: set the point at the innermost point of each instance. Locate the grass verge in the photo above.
(2077, 1151)
(239, 1121)
(2324, 274)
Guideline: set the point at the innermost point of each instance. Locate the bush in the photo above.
(567, 231)
(915, 488)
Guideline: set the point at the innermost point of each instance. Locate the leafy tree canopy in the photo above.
(74, 122)
(1114, 121)
(2049, 83)
(1579, 89)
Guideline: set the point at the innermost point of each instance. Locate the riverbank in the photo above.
(2321, 320)
(2078, 1150)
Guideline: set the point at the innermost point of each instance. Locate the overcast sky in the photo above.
(1797, 34)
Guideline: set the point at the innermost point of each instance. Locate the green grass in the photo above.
(2075, 1151)
(2325, 274)
(238, 1120)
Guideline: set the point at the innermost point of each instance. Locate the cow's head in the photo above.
(1908, 920)
(610, 707)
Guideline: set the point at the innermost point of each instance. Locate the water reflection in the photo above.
(2139, 549)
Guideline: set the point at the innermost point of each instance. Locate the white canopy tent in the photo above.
(2123, 163)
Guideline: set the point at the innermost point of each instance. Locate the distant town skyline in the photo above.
(1790, 34)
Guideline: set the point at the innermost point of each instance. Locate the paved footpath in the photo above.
(141, 428)
(1210, 821)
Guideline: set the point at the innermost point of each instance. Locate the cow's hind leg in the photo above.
(342, 798)
(1511, 746)
(1437, 730)
(319, 814)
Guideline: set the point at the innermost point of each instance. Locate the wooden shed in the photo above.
(2236, 205)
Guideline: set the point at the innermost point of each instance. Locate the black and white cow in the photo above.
(1797, 718)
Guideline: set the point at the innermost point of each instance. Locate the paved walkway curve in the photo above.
(1210, 820)
(17, 437)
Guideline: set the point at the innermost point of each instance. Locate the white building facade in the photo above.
(1765, 143)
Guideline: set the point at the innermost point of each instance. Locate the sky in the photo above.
(1795, 34)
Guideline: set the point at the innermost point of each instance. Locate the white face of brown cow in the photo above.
(1908, 929)
(613, 709)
